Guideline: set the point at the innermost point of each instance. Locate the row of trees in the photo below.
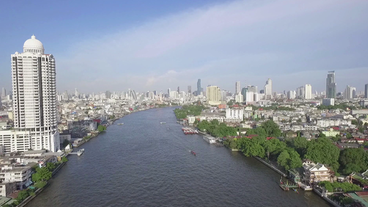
(272, 149)
(186, 110)
(273, 107)
(337, 186)
(336, 106)
(216, 129)
(289, 154)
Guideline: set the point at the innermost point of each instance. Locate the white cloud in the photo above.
(248, 41)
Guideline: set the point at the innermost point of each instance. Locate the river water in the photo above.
(145, 163)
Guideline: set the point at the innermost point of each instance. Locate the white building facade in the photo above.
(268, 89)
(34, 99)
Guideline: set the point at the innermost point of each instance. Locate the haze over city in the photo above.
(157, 45)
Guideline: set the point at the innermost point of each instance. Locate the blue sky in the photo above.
(155, 45)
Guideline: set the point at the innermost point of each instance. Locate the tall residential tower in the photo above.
(268, 89)
(34, 99)
(330, 85)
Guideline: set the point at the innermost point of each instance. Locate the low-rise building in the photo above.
(315, 173)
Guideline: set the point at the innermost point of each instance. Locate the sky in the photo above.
(150, 45)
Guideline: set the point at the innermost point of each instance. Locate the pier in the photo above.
(79, 152)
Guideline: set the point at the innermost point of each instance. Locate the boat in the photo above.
(80, 152)
(188, 130)
(193, 153)
(120, 123)
(209, 139)
(162, 122)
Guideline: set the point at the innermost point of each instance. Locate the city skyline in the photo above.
(183, 41)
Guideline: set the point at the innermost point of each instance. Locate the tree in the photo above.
(253, 147)
(295, 160)
(300, 144)
(50, 166)
(283, 158)
(289, 159)
(353, 160)
(64, 159)
(101, 128)
(23, 194)
(322, 150)
(42, 174)
(203, 125)
(273, 146)
(271, 128)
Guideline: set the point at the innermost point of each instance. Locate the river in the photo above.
(145, 163)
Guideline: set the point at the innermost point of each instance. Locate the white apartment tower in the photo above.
(308, 91)
(237, 87)
(34, 98)
(268, 89)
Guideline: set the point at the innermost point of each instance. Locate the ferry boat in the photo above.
(80, 152)
(209, 139)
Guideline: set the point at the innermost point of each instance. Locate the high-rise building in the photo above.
(330, 85)
(213, 94)
(268, 89)
(244, 93)
(252, 89)
(237, 87)
(3, 92)
(366, 91)
(34, 100)
(76, 93)
(199, 87)
(350, 92)
(307, 91)
(189, 89)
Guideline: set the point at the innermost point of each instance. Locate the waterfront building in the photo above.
(34, 101)
(213, 94)
(366, 91)
(268, 89)
(330, 85)
(237, 87)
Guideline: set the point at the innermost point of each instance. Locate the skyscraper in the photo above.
(3, 92)
(213, 94)
(237, 87)
(34, 97)
(189, 89)
(330, 85)
(366, 91)
(350, 92)
(308, 91)
(268, 89)
(199, 87)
